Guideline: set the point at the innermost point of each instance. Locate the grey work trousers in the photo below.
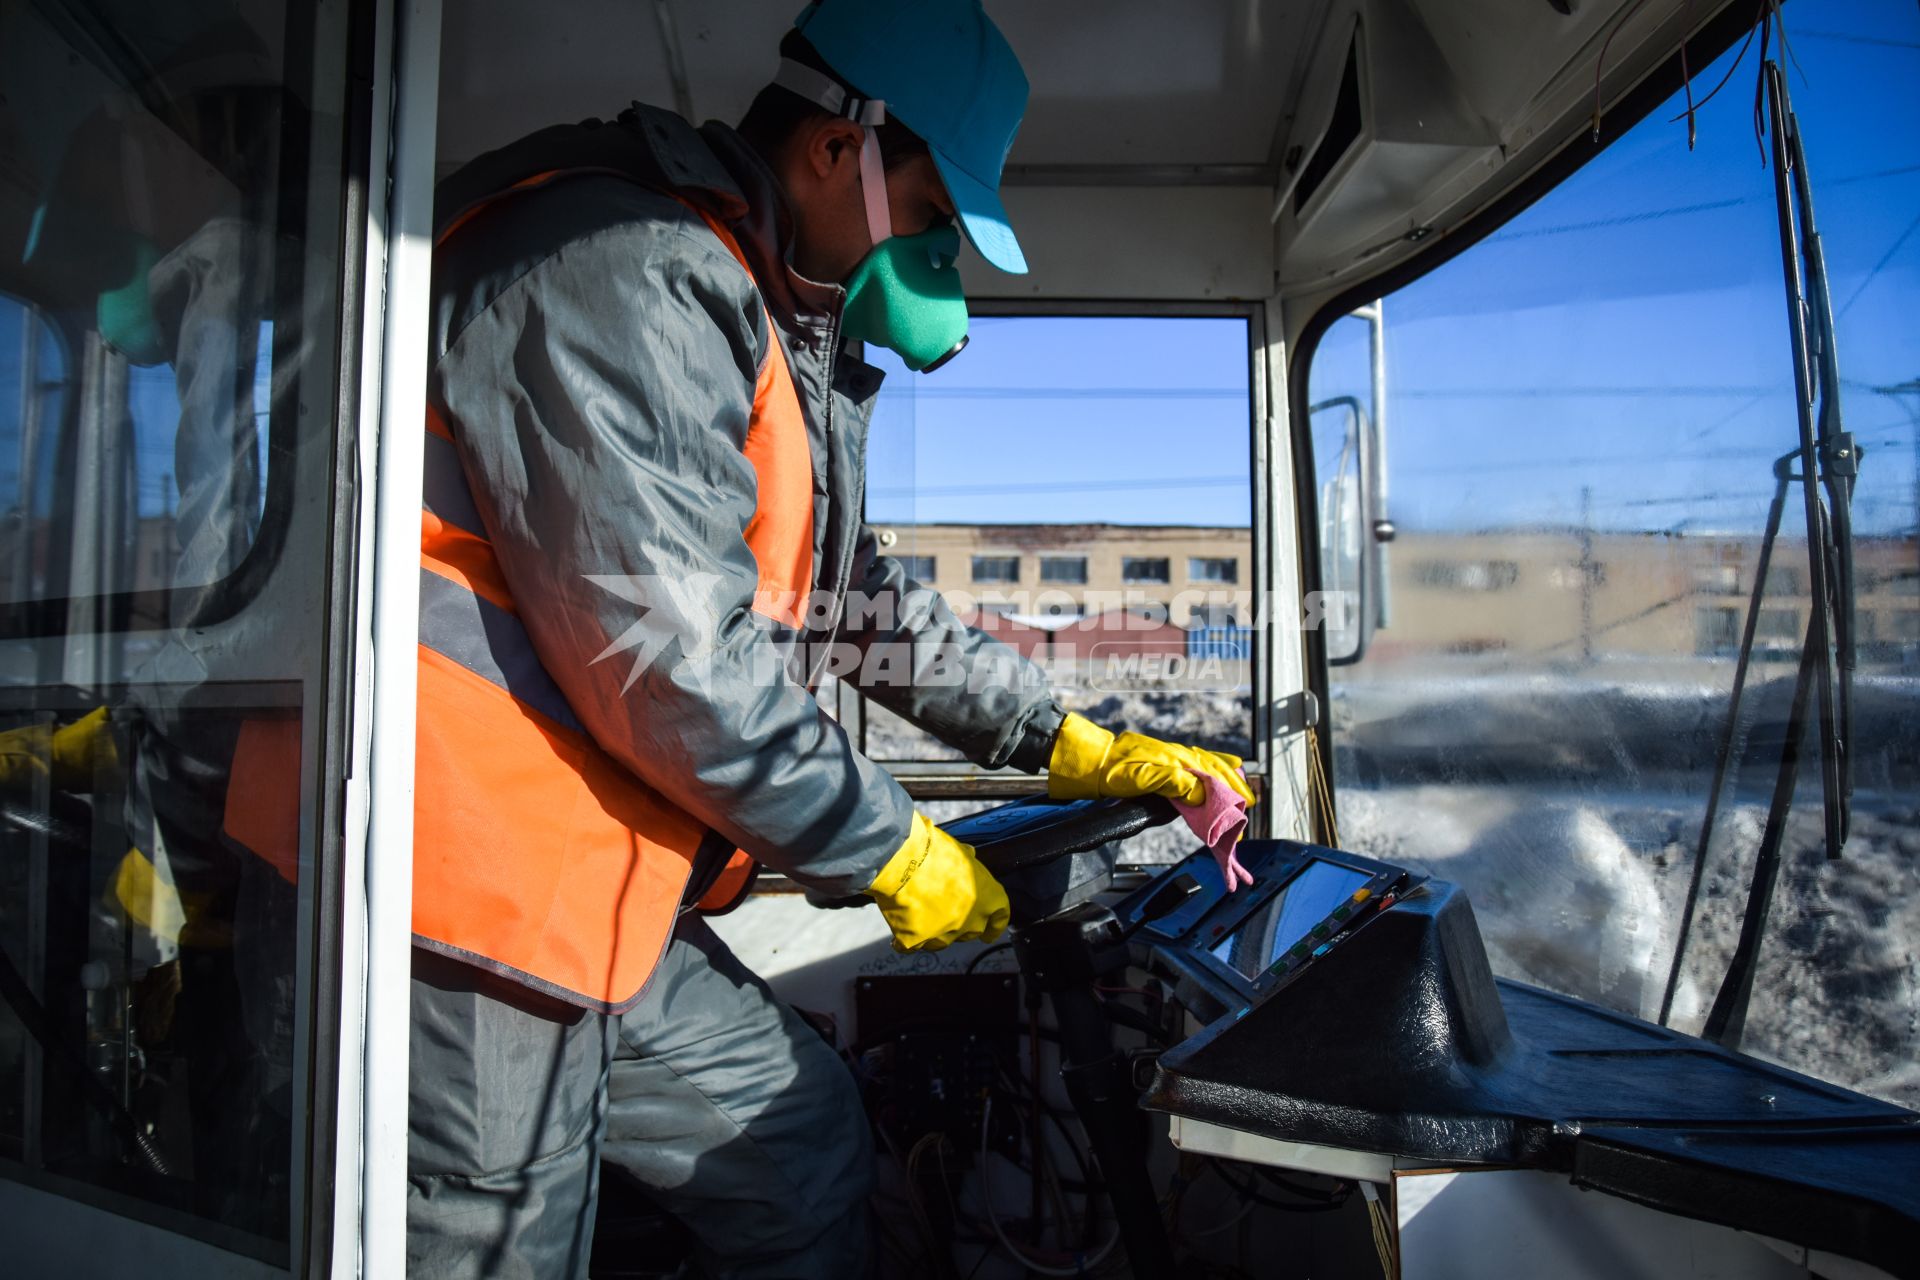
(731, 1111)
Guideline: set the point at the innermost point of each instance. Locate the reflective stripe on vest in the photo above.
(536, 855)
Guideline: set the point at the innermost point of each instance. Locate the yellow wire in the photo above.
(1321, 789)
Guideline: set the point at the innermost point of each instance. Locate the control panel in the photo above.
(1304, 902)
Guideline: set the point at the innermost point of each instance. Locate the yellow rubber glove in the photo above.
(150, 900)
(934, 891)
(1089, 762)
(68, 757)
(82, 750)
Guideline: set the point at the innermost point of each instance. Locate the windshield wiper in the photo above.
(1828, 458)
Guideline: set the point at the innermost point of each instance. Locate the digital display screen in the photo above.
(1288, 916)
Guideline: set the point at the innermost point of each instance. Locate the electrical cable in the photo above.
(1383, 1233)
(1054, 1188)
(1246, 1207)
(1686, 81)
(1337, 1196)
(973, 965)
(1082, 1263)
(1600, 63)
(939, 1258)
(1320, 789)
(1694, 108)
(1253, 1196)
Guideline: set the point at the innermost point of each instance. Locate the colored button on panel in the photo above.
(1342, 911)
(1320, 931)
(1360, 896)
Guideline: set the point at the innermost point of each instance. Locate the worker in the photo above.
(642, 541)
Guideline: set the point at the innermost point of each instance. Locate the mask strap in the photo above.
(873, 185)
(822, 89)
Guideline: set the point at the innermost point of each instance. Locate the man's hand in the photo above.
(1089, 762)
(934, 891)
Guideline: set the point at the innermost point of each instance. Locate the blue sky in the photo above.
(1140, 421)
(1626, 334)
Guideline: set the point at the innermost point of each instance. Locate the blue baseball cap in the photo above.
(945, 71)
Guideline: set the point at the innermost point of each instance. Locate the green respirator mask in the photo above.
(905, 296)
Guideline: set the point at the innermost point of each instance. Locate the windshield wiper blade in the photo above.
(1828, 458)
(1839, 459)
(1816, 406)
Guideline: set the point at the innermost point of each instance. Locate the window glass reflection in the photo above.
(170, 183)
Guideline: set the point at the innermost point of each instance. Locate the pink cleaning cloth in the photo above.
(1218, 821)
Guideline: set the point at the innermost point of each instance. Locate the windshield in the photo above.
(1577, 432)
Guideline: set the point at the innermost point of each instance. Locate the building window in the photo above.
(1067, 569)
(1904, 626)
(1213, 568)
(1225, 644)
(1467, 575)
(1778, 624)
(996, 568)
(919, 568)
(1145, 569)
(1716, 629)
(1716, 579)
(1784, 582)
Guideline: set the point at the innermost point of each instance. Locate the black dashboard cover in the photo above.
(1401, 1041)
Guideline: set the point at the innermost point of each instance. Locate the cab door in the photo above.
(193, 216)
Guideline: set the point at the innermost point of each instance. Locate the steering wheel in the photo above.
(1029, 834)
(1042, 851)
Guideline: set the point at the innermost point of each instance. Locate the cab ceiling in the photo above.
(1161, 141)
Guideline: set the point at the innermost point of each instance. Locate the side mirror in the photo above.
(1350, 453)
(1342, 450)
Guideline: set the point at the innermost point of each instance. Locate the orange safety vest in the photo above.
(536, 854)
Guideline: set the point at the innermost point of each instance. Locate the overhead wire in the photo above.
(1850, 38)
(1885, 259)
(1682, 210)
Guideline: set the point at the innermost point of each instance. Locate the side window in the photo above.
(1080, 488)
(1576, 447)
(108, 303)
(171, 238)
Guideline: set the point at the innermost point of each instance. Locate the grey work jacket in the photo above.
(595, 348)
